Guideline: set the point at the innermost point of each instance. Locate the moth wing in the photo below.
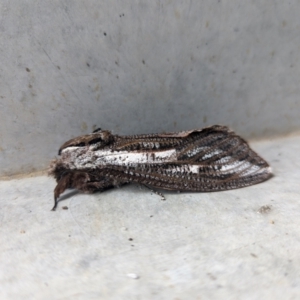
(211, 159)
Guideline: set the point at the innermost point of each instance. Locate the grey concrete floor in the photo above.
(128, 244)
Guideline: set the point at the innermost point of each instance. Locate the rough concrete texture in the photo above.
(141, 67)
(128, 244)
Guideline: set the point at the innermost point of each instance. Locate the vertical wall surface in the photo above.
(140, 67)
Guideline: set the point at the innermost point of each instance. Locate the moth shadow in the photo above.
(68, 195)
(158, 191)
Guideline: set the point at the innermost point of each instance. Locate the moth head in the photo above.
(99, 138)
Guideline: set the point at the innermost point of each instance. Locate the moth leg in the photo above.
(154, 191)
(55, 204)
(61, 186)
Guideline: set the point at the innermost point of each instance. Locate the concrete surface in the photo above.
(141, 67)
(128, 244)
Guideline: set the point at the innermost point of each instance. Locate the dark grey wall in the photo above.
(141, 67)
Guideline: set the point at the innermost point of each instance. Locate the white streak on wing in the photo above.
(74, 148)
(93, 159)
(79, 158)
(232, 166)
(250, 169)
(257, 170)
(125, 157)
(211, 154)
(182, 168)
(244, 168)
(194, 151)
(224, 160)
(194, 169)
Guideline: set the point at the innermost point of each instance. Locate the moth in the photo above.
(201, 160)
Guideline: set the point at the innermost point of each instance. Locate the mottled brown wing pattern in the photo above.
(209, 159)
(206, 161)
